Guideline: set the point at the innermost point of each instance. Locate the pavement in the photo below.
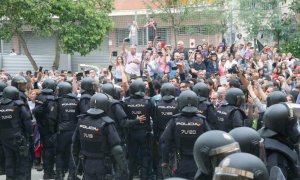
(35, 175)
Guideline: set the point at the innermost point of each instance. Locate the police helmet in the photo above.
(276, 97)
(137, 88)
(109, 88)
(281, 119)
(63, 88)
(10, 92)
(235, 97)
(49, 85)
(249, 141)
(19, 82)
(167, 91)
(2, 86)
(99, 104)
(210, 148)
(188, 102)
(241, 166)
(88, 84)
(201, 89)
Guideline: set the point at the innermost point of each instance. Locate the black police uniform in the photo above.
(138, 134)
(181, 132)
(67, 110)
(43, 105)
(207, 109)
(84, 102)
(229, 117)
(280, 133)
(15, 129)
(2, 157)
(88, 88)
(96, 136)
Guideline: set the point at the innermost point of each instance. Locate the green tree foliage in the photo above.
(79, 26)
(175, 12)
(292, 46)
(266, 17)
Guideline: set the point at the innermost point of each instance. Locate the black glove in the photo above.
(119, 156)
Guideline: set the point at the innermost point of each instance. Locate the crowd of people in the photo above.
(213, 112)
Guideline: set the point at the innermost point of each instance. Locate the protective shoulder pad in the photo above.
(85, 96)
(200, 116)
(107, 119)
(207, 103)
(19, 103)
(176, 115)
(72, 96)
(282, 148)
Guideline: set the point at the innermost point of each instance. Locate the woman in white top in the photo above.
(119, 66)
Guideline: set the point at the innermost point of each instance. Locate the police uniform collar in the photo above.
(201, 99)
(168, 97)
(265, 132)
(47, 91)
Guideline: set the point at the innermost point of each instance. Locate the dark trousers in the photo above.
(139, 142)
(48, 153)
(94, 169)
(17, 166)
(63, 152)
(2, 160)
(186, 168)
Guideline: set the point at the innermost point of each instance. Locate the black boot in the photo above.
(72, 176)
(48, 176)
(59, 175)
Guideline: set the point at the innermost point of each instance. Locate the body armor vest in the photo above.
(164, 112)
(187, 130)
(139, 107)
(291, 155)
(68, 112)
(10, 124)
(93, 140)
(224, 123)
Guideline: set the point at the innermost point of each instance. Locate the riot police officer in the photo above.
(165, 108)
(249, 141)
(139, 110)
(2, 86)
(280, 133)
(205, 107)
(209, 150)
(183, 130)
(88, 88)
(116, 108)
(65, 113)
(2, 157)
(241, 166)
(20, 83)
(44, 103)
(15, 130)
(229, 115)
(98, 139)
(274, 98)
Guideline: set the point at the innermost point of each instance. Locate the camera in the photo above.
(233, 70)
(159, 52)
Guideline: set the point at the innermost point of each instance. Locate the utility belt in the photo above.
(22, 144)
